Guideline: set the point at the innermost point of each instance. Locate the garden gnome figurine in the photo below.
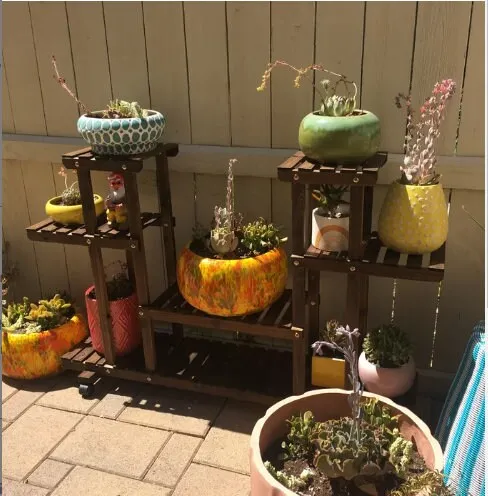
(115, 202)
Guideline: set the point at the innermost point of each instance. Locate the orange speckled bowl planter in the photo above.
(229, 288)
(30, 356)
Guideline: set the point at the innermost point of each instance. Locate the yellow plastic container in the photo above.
(328, 372)
(71, 215)
(30, 356)
(413, 219)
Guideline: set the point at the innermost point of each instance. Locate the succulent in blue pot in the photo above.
(337, 133)
(123, 128)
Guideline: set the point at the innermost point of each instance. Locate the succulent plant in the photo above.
(426, 483)
(259, 236)
(304, 430)
(71, 194)
(120, 109)
(289, 481)
(387, 346)
(330, 200)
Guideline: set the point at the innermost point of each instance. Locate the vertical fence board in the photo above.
(168, 76)
(440, 47)
(77, 259)
(126, 51)
(183, 203)
(249, 50)
(20, 59)
(50, 258)
(7, 117)
(387, 63)
(337, 51)
(51, 37)
(208, 72)
(15, 218)
(472, 127)
(462, 296)
(90, 59)
(292, 40)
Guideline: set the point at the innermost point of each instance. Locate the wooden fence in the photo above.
(200, 63)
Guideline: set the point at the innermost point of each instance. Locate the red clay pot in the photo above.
(126, 327)
(326, 404)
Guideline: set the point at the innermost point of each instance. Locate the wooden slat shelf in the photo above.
(379, 261)
(273, 322)
(300, 169)
(87, 160)
(108, 237)
(229, 370)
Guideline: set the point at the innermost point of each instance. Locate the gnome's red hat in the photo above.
(116, 179)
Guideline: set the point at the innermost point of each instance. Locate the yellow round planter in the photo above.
(413, 219)
(71, 214)
(230, 288)
(30, 356)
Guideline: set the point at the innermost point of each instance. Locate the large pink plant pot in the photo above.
(389, 382)
(126, 328)
(326, 404)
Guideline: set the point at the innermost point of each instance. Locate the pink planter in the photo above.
(126, 328)
(326, 404)
(389, 382)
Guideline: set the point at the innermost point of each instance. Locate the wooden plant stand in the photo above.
(233, 370)
(366, 255)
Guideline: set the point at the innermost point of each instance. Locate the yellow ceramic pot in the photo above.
(71, 214)
(30, 356)
(413, 219)
(232, 287)
(328, 372)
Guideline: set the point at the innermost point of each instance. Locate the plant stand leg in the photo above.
(86, 383)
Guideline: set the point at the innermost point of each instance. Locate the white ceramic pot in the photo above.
(329, 234)
(389, 382)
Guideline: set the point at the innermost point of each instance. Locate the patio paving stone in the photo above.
(202, 480)
(18, 404)
(95, 483)
(7, 391)
(186, 413)
(49, 473)
(113, 446)
(29, 439)
(173, 460)
(14, 488)
(227, 443)
(119, 397)
(5, 425)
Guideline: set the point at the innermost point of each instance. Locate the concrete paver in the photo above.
(7, 391)
(49, 473)
(227, 443)
(173, 460)
(14, 488)
(202, 480)
(96, 483)
(117, 398)
(18, 403)
(31, 437)
(186, 413)
(110, 445)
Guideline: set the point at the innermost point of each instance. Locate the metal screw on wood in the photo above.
(107, 371)
(88, 241)
(124, 167)
(352, 268)
(355, 179)
(296, 263)
(313, 303)
(296, 177)
(149, 379)
(141, 313)
(77, 164)
(297, 335)
(132, 245)
(165, 225)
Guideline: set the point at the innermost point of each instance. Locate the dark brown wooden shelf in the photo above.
(230, 370)
(273, 322)
(300, 169)
(85, 159)
(106, 236)
(379, 261)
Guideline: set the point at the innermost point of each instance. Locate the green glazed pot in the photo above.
(349, 140)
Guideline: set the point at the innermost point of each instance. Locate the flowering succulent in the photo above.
(419, 162)
(331, 103)
(71, 194)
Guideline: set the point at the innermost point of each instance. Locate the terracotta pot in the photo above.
(30, 356)
(326, 404)
(389, 382)
(231, 288)
(329, 233)
(126, 327)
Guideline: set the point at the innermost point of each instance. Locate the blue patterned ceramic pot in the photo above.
(122, 136)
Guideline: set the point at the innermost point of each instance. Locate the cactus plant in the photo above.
(259, 236)
(387, 346)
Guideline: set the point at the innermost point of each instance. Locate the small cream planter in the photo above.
(329, 234)
(389, 382)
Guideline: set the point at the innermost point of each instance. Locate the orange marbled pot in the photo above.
(232, 287)
(30, 356)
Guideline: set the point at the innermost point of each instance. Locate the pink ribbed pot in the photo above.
(326, 404)
(389, 382)
(126, 327)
